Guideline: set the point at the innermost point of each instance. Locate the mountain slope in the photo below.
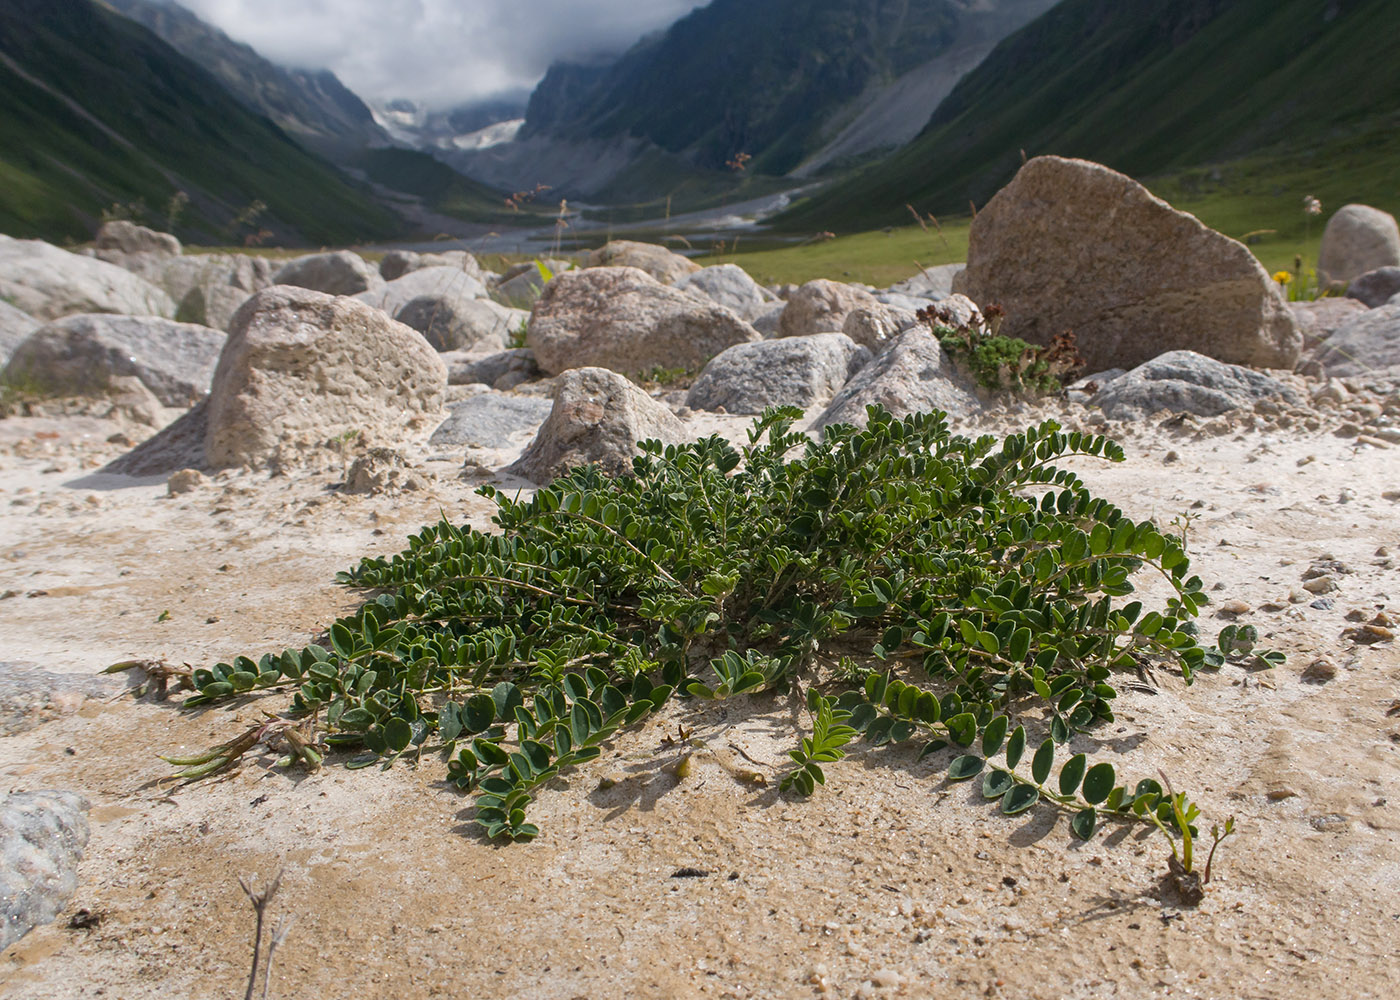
(312, 106)
(95, 110)
(1141, 87)
(777, 80)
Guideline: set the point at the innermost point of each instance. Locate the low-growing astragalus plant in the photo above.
(906, 582)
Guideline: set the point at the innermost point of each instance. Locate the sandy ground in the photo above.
(889, 882)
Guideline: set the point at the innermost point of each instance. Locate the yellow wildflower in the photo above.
(1282, 277)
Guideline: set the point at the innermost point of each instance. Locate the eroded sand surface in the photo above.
(890, 882)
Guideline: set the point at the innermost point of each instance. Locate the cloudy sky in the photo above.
(439, 52)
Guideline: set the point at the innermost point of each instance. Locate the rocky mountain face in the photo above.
(99, 114)
(312, 106)
(1142, 88)
(793, 85)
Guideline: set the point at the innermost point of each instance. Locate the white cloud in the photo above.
(438, 52)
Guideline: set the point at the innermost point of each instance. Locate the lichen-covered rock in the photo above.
(1358, 238)
(301, 368)
(912, 375)
(729, 285)
(821, 306)
(1375, 288)
(624, 319)
(49, 283)
(1364, 343)
(80, 355)
(339, 273)
(1187, 382)
(42, 836)
(1072, 245)
(597, 419)
(664, 265)
(793, 371)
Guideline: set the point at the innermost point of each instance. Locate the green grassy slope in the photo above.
(1144, 88)
(95, 110)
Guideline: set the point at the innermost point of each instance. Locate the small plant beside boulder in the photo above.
(1003, 364)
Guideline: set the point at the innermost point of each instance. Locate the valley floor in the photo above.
(888, 882)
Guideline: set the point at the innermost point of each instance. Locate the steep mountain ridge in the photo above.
(312, 106)
(1143, 88)
(96, 111)
(784, 82)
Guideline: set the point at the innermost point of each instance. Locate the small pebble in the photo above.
(1320, 671)
(1234, 606)
(1320, 585)
(1322, 604)
(1279, 794)
(887, 979)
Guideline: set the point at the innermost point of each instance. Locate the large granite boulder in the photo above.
(598, 418)
(339, 273)
(121, 236)
(302, 368)
(492, 420)
(1358, 238)
(49, 283)
(1318, 318)
(441, 282)
(624, 319)
(664, 265)
(913, 375)
(522, 285)
(1187, 382)
(209, 288)
(1070, 244)
(1375, 288)
(821, 306)
(81, 355)
(729, 285)
(793, 371)
(14, 327)
(1364, 343)
(42, 836)
(455, 323)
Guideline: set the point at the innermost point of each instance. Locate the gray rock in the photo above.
(1367, 341)
(396, 263)
(876, 327)
(211, 287)
(454, 323)
(664, 265)
(31, 696)
(127, 237)
(1072, 245)
(492, 420)
(14, 327)
(597, 418)
(80, 355)
(49, 283)
(624, 319)
(444, 282)
(1375, 288)
(1318, 319)
(179, 445)
(729, 285)
(522, 285)
(792, 371)
(339, 273)
(908, 303)
(821, 306)
(42, 836)
(770, 320)
(1358, 238)
(930, 283)
(502, 370)
(302, 368)
(913, 375)
(1187, 382)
